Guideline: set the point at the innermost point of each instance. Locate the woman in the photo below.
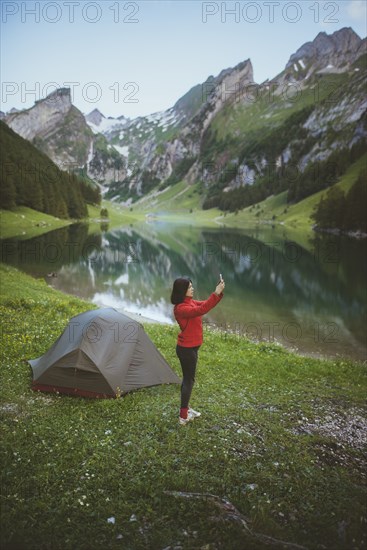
(188, 313)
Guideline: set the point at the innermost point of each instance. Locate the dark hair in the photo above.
(179, 290)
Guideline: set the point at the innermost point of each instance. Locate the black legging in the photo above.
(188, 358)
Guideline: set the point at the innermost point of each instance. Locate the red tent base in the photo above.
(71, 391)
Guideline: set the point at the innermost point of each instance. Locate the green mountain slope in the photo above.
(29, 178)
(257, 150)
(275, 210)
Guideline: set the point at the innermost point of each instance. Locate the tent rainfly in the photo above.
(101, 353)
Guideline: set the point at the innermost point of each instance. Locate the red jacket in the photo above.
(188, 315)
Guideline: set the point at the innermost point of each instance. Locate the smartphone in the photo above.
(220, 278)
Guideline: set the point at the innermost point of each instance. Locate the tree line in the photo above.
(346, 212)
(316, 177)
(321, 175)
(29, 178)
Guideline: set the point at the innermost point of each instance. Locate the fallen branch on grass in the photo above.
(232, 513)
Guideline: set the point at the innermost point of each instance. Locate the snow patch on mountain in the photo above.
(107, 125)
(163, 118)
(124, 151)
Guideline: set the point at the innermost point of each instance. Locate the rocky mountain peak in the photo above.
(346, 40)
(61, 95)
(242, 73)
(226, 87)
(45, 115)
(337, 50)
(95, 117)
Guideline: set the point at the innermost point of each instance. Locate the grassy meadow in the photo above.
(25, 223)
(275, 461)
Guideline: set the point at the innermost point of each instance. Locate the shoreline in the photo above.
(138, 317)
(292, 350)
(223, 333)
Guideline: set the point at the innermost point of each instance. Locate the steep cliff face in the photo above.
(56, 127)
(41, 119)
(222, 91)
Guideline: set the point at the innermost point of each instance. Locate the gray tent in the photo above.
(101, 353)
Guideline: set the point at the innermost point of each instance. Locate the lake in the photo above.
(310, 297)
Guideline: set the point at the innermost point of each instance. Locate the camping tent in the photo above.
(101, 353)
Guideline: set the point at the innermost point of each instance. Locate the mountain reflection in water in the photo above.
(312, 300)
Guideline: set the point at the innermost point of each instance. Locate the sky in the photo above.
(134, 58)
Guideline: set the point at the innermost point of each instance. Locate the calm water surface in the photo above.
(311, 298)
